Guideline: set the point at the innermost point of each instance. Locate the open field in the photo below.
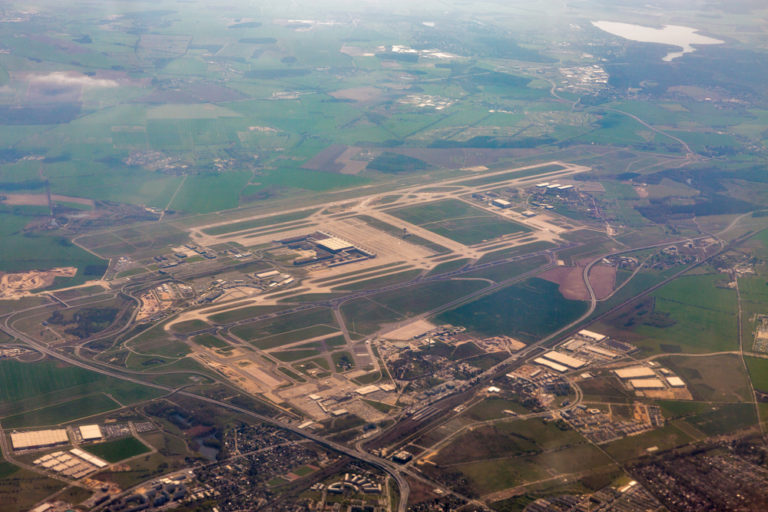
(527, 311)
(680, 317)
(510, 454)
(458, 221)
(27, 386)
(21, 488)
(713, 378)
(114, 451)
(67, 411)
(365, 316)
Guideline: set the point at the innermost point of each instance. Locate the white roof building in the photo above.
(634, 372)
(592, 335)
(652, 383)
(675, 382)
(90, 432)
(37, 438)
(367, 390)
(89, 457)
(551, 364)
(564, 359)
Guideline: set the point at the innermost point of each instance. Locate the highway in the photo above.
(387, 466)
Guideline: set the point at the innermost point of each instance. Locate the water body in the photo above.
(208, 452)
(674, 35)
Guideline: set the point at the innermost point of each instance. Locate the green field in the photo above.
(287, 329)
(238, 314)
(23, 250)
(258, 223)
(714, 378)
(67, 411)
(690, 314)
(528, 311)
(27, 386)
(115, 451)
(458, 221)
(366, 315)
(210, 341)
(509, 454)
(758, 372)
(21, 489)
(493, 408)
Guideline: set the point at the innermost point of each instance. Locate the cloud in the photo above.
(69, 78)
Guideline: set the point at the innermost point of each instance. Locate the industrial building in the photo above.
(90, 432)
(74, 464)
(675, 382)
(564, 359)
(367, 390)
(634, 372)
(333, 244)
(594, 336)
(551, 364)
(651, 383)
(39, 439)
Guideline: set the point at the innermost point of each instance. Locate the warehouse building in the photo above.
(39, 439)
(594, 336)
(565, 359)
(652, 383)
(675, 382)
(551, 365)
(634, 372)
(90, 432)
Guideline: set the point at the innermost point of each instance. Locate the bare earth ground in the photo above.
(42, 199)
(409, 331)
(602, 277)
(17, 284)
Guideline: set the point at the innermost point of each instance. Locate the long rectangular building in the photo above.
(652, 383)
(634, 372)
(39, 438)
(551, 364)
(564, 359)
(592, 335)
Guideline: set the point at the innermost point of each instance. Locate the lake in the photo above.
(675, 35)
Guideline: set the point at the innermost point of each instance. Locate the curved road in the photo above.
(387, 466)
